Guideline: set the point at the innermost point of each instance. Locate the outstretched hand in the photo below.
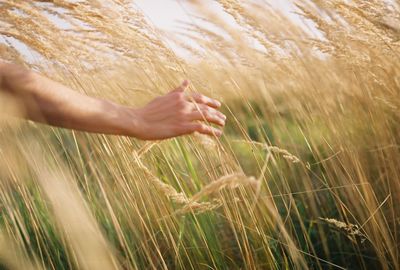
(46, 101)
(179, 113)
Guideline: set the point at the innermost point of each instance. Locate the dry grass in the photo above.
(313, 116)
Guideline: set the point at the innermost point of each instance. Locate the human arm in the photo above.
(50, 102)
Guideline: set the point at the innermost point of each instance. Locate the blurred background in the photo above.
(306, 175)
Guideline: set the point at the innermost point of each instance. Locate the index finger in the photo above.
(202, 99)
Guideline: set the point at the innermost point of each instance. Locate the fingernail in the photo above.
(217, 103)
(185, 83)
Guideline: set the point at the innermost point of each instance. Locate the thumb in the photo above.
(185, 84)
(182, 87)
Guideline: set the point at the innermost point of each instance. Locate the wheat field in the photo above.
(306, 175)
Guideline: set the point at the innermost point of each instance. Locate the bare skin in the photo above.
(171, 115)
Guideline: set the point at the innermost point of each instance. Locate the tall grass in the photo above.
(305, 177)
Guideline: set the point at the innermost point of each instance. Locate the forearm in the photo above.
(171, 115)
(46, 101)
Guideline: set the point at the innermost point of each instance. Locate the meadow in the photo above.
(306, 175)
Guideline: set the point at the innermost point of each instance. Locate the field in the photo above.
(306, 175)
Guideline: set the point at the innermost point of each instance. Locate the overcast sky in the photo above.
(168, 15)
(165, 14)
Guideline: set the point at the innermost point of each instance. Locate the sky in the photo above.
(165, 14)
(170, 15)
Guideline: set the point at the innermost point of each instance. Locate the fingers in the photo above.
(207, 117)
(209, 110)
(202, 108)
(206, 113)
(201, 99)
(202, 128)
(197, 97)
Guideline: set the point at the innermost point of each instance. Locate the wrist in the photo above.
(131, 122)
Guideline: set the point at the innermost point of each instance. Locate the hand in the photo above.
(178, 113)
